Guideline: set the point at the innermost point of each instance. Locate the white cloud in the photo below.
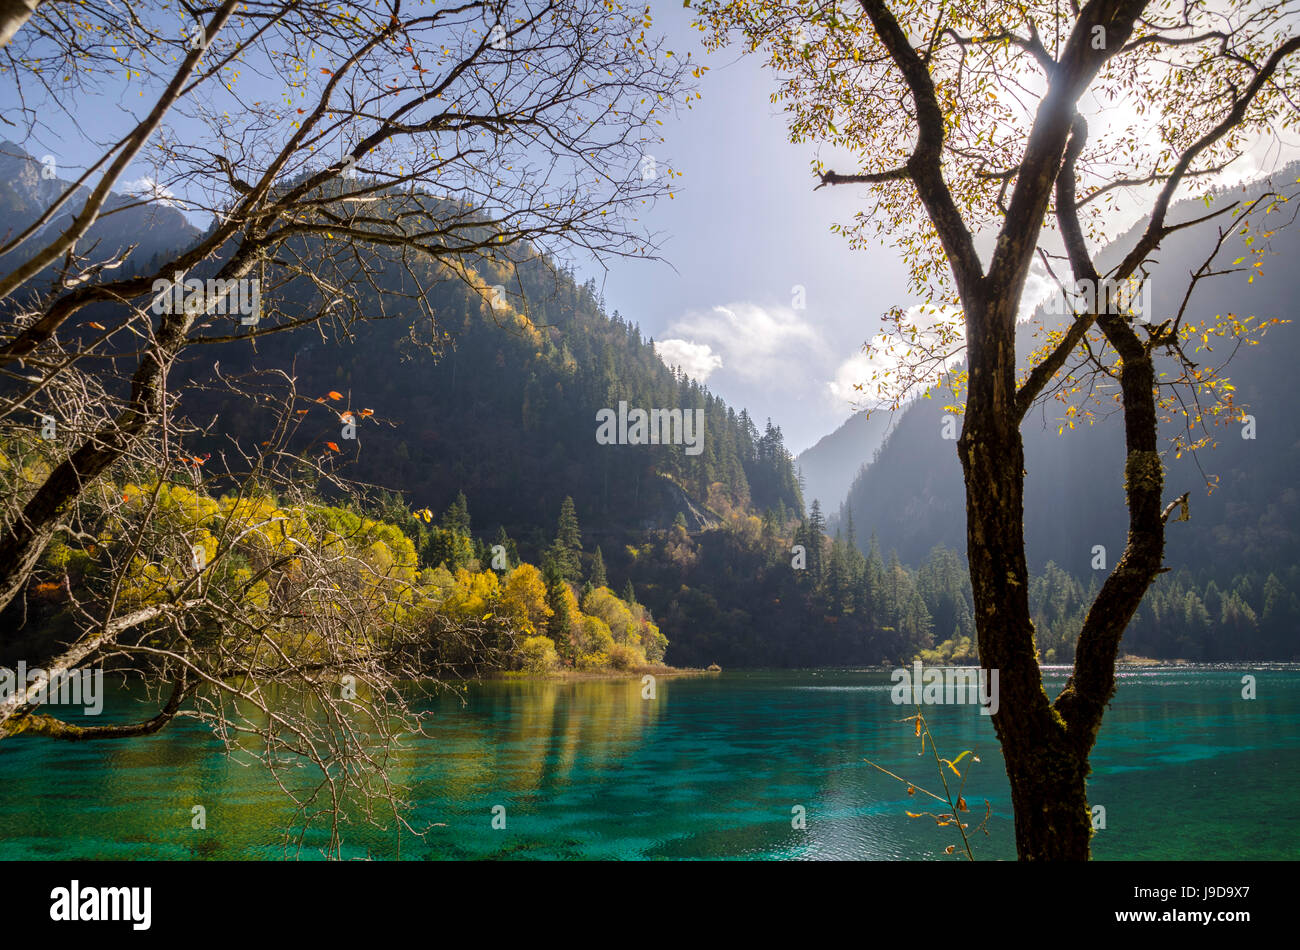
(853, 371)
(697, 360)
(757, 343)
(146, 187)
(1040, 287)
(889, 359)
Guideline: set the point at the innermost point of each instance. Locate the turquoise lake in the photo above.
(712, 767)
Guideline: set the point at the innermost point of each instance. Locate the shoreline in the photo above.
(574, 676)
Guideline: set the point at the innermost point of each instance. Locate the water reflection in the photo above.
(709, 768)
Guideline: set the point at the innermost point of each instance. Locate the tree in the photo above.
(444, 547)
(815, 539)
(602, 603)
(597, 576)
(346, 154)
(969, 121)
(456, 517)
(508, 545)
(566, 549)
(563, 605)
(523, 600)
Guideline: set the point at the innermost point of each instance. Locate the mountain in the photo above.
(455, 391)
(913, 497)
(1243, 537)
(29, 185)
(506, 408)
(829, 467)
(493, 414)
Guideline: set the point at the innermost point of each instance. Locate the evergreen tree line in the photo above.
(761, 592)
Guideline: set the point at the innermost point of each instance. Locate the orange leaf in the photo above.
(961, 804)
(334, 395)
(949, 849)
(911, 789)
(332, 446)
(918, 725)
(320, 398)
(303, 412)
(367, 412)
(326, 71)
(97, 326)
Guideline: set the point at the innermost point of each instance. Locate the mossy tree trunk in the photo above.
(1047, 775)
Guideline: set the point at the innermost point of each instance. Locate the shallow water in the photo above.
(712, 767)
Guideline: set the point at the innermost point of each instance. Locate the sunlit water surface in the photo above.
(712, 767)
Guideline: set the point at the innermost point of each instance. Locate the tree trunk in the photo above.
(24, 537)
(13, 14)
(1047, 773)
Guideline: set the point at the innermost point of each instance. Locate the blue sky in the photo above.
(754, 296)
(744, 229)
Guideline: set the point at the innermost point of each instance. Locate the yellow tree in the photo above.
(983, 131)
(523, 600)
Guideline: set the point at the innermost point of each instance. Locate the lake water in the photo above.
(712, 767)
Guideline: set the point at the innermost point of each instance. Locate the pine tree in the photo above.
(567, 549)
(456, 518)
(816, 532)
(557, 626)
(512, 552)
(597, 576)
(629, 593)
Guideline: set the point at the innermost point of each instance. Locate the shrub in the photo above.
(625, 657)
(539, 655)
